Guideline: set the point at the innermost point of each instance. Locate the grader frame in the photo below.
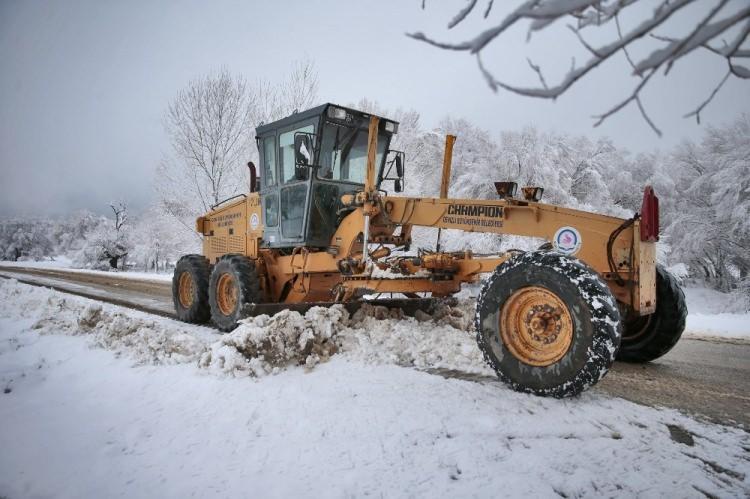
(550, 322)
(310, 274)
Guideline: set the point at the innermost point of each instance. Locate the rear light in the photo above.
(649, 216)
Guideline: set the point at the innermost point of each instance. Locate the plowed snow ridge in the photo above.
(260, 345)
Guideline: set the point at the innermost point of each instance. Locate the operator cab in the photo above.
(308, 161)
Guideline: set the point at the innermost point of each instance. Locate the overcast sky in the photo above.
(84, 84)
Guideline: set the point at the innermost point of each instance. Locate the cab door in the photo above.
(269, 189)
(293, 191)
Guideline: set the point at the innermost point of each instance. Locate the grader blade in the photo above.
(408, 306)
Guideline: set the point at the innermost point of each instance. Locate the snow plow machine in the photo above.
(319, 228)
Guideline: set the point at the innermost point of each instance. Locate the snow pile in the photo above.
(145, 340)
(444, 340)
(262, 345)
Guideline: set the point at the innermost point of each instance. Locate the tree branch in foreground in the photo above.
(542, 13)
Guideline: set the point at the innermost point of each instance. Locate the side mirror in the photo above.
(397, 186)
(302, 150)
(300, 172)
(399, 168)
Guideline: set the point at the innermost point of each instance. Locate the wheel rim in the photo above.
(226, 294)
(536, 326)
(185, 289)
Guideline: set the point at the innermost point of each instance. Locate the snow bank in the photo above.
(260, 345)
(143, 338)
(712, 313)
(736, 326)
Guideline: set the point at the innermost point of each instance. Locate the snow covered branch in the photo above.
(587, 13)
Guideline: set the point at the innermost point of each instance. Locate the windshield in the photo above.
(343, 153)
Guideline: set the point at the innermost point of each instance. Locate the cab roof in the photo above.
(310, 113)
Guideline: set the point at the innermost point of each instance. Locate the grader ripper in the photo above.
(318, 227)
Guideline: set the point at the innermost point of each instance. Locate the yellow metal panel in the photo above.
(372, 147)
(646, 299)
(225, 230)
(447, 160)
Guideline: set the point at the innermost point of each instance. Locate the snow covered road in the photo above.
(147, 412)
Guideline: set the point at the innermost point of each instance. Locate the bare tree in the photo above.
(211, 125)
(719, 19)
(297, 92)
(121, 215)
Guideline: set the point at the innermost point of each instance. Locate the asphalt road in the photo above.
(709, 378)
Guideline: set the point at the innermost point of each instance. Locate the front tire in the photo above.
(234, 283)
(649, 337)
(547, 324)
(190, 289)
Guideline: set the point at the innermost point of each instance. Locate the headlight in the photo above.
(336, 113)
(390, 126)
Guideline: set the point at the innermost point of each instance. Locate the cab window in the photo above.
(269, 162)
(344, 153)
(286, 152)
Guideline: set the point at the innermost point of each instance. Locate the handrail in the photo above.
(228, 199)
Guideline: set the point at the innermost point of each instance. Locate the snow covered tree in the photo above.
(25, 239)
(160, 242)
(587, 16)
(710, 228)
(298, 91)
(209, 125)
(109, 244)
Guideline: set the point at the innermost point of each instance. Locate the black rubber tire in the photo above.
(662, 329)
(199, 269)
(593, 310)
(245, 277)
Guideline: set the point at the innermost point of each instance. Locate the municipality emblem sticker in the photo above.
(254, 221)
(567, 240)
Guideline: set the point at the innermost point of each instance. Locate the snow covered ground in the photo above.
(714, 314)
(102, 401)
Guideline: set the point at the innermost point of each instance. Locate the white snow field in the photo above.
(102, 401)
(713, 314)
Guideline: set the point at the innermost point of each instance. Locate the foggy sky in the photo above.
(84, 84)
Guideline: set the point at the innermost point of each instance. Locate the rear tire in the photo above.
(234, 283)
(547, 324)
(190, 289)
(649, 337)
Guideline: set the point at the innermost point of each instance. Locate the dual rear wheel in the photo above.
(549, 325)
(201, 292)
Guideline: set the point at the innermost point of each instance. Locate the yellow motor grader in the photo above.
(318, 228)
